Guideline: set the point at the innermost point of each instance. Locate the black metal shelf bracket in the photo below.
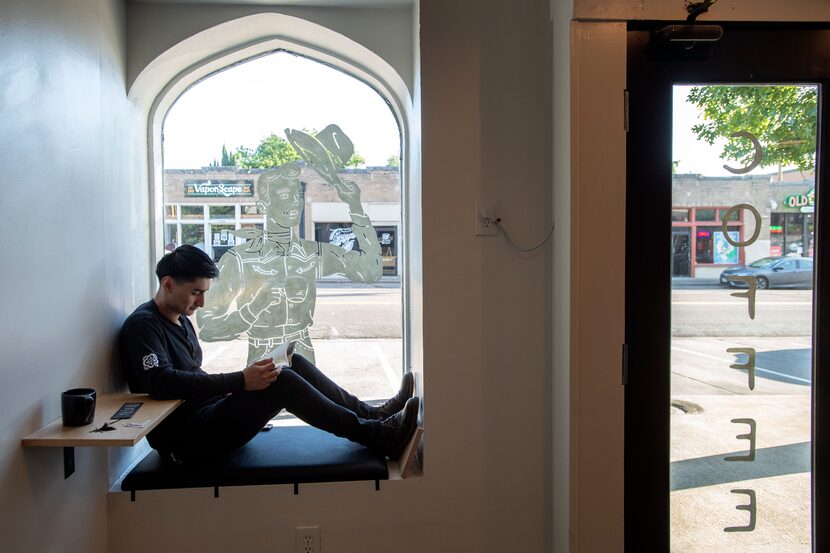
(68, 462)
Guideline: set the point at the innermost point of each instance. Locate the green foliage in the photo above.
(393, 161)
(355, 161)
(227, 158)
(783, 118)
(274, 151)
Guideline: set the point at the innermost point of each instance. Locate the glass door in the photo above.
(741, 340)
(726, 420)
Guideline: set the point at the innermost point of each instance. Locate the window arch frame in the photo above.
(159, 85)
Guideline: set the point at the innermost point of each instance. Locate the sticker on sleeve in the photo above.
(150, 361)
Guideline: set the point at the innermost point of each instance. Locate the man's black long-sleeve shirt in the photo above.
(164, 360)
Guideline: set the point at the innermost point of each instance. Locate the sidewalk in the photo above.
(683, 283)
(369, 369)
(341, 282)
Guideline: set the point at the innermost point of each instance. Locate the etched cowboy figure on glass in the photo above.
(267, 286)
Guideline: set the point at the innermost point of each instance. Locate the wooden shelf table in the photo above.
(55, 434)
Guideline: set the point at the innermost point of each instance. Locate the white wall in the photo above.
(485, 117)
(74, 240)
(154, 28)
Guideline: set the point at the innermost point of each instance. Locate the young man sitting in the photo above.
(222, 412)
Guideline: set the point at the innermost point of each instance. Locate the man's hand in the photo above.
(260, 374)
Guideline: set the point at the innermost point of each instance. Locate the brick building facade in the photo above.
(785, 204)
(202, 206)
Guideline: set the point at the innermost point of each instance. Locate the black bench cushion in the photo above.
(282, 455)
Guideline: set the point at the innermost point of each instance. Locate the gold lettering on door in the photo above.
(728, 215)
(751, 287)
(749, 365)
(750, 507)
(749, 436)
(758, 152)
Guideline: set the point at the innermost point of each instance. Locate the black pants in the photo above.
(220, 428)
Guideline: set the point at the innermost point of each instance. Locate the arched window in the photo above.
(358, 330)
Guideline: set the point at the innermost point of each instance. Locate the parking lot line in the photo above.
(394, 381)
(730, 361)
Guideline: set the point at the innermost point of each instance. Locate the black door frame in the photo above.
(746, 54)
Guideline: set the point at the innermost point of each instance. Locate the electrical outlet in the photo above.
(307, 539)
(485, 215)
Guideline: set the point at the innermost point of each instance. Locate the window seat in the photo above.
(283, 455)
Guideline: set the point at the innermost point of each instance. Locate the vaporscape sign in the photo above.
(219, 188)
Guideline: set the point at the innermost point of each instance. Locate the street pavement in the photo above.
(373, 313)
(716, 312)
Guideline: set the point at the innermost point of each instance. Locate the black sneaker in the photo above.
(394, 432)
(395, 404)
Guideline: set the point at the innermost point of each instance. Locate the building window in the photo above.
(192, 212)
(705, 214)
(712, 246)
(790, 232)
(680, 215)
(341, 235)
(193, 235)
(222, 212)
(698, 240)
(704, 240)
(733, 215)
(251, 212)
(388, 239)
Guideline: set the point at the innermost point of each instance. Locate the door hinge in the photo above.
(625, 110)
(624, 364)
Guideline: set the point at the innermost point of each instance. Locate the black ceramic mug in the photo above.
(78, 406)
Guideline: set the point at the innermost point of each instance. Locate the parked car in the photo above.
(773, 272)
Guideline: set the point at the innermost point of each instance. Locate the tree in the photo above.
(274, 151)
(393, 161)
(355, 161)
(782, 118)
(227, 158)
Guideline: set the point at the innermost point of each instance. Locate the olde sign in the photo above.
(219, 188)
(801, 200)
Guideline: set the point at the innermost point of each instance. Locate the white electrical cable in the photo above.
(497, 222)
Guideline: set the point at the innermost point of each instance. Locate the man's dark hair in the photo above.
(186, 264)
